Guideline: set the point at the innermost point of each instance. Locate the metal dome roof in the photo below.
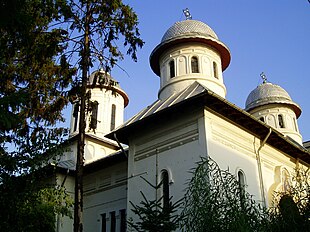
(268, 93)
(186, 28)
(189, 31)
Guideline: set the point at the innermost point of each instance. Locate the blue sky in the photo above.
(270, 36)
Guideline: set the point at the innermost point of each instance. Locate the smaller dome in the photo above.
(188, 28)
(268, 93)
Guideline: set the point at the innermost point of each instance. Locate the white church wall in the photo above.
(175, 146)
(64, 224)
(234, 148)
(105, 191)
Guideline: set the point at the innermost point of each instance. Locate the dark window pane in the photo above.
(194, 64)
(172, 68)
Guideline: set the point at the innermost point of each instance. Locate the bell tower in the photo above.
(106, 105)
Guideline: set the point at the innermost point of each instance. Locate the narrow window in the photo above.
(295, 124)
(194, 64)
(165, 188)
(241, 181)
(113, 113)
(285, 180)
(262, 119)
(123, 220)
(103, 223)
(94, 114)
(75, 116)
(172, 68)
(281, 122)
(113, 222)
(215, 71)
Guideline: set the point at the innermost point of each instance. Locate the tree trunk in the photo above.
(78, 201)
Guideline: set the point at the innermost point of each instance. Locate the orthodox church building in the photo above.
(261, 144)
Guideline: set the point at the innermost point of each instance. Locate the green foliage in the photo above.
(215, 202)
(42, 47)
(28, 204)
(153, 217)
(34, 79)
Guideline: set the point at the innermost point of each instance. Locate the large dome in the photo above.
(188, 28)
(189, 31)
(268, 93)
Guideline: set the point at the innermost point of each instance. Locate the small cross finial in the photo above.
(187, 14)
(263, 76)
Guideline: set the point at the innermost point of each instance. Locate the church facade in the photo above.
(261, 144)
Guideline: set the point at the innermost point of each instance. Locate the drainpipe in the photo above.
(120, 145)
(259, 166)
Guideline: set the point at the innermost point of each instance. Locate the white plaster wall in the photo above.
(234, 148)
(64, 224)
(175, 147)
(104, 191)
(95, 151)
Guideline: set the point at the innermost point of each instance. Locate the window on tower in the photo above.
(281, 121)
(215, 70)
(113, 114)
(172, 68)
(75, 116)
(94, 114)
(194, 64)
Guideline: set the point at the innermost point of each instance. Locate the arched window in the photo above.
(194, 64)
(215, 70)
(285, 179)
(94, 114)
(172, 68)
(113, 114)
(241, 179)
(281, 121)
(75, 116)
(241, 182)
(165, 188)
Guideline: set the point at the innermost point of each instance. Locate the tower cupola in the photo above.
(271, 104)
(190, 51)
(106, 105)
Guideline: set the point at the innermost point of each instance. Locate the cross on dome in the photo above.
(264, 77)
(187, 14)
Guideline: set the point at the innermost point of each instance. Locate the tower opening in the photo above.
(194, 64)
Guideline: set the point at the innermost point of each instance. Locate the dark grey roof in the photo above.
(159, 105)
